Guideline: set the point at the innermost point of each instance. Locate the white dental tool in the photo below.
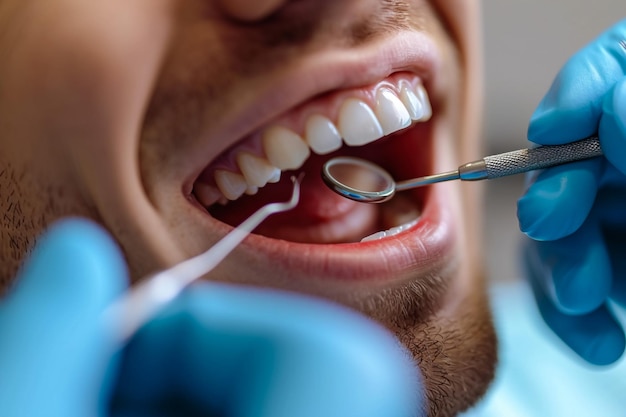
(126, 315)
(363, 181)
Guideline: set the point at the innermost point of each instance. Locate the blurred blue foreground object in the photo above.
(575, 213)
(215, 350)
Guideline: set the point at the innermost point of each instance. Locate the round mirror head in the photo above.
(358, 180)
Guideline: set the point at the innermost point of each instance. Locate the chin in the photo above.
(223, 132)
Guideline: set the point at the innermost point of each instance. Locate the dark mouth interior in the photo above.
(404, 155)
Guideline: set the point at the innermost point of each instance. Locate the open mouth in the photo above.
(386, 123)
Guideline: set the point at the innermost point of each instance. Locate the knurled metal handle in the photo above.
(524, 160)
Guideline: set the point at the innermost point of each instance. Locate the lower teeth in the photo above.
(391, 232)
(399, 214)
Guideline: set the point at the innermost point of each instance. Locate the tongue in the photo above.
(319, 208)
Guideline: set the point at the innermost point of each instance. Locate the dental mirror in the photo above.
(366, 182)
(358, 179)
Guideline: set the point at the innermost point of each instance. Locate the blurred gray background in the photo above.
(526, 42)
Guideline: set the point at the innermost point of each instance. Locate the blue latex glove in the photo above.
(576, 213)
(217, 350)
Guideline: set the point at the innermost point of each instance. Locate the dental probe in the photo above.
(133, 309)
(363, 181)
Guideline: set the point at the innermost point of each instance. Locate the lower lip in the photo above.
(426, 248)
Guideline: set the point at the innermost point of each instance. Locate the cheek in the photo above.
(83, 73)
(75, 92)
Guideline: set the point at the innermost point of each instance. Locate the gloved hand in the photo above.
(217, 350)
(576, 213)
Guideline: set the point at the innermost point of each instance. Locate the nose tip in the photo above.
(250, 10)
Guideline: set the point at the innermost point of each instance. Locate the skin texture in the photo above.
(107, 109)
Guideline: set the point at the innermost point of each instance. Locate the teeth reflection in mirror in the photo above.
(206, 194)
(391, 232)
(391, 113)
(232, 185)
(322, 135)
(358, 124)
(284, 148)
(257, 171)
(422, 95)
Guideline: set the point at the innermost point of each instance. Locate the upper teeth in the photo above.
(391, 112)
(357, 123)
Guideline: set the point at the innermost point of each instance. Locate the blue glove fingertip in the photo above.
(596, 337)
(565, 113)
(78, 262)
(567, 266)
(605, 348)
(531, 217)
(559, 201)
(575, 293)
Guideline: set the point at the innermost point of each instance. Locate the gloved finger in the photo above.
(573, 105)
(575, 271)
(239, 351)
(559, 200)
(53, 358)
(596, 336)
(612, 130)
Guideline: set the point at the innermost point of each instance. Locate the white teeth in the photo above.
(391, 232)
(232, 185)
(412, 103)
(257, 171)
(322, 135)
(358, 123)
(422, 95)
(375, 236)
(284, 148)
(276, 177)
(391, 113)
(416, 101)
(398, 214)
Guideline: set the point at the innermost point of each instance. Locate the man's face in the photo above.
(171, 122)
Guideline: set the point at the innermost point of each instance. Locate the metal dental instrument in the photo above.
(126, 315)
(363, 181)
